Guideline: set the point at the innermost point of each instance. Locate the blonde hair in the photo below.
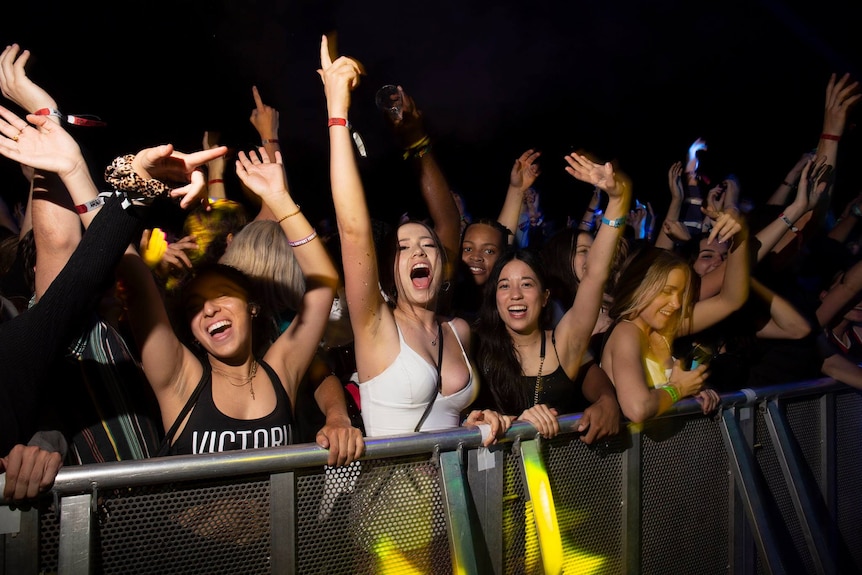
(261, 251)
(643, 277)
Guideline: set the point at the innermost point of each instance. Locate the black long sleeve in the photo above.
(30, 342)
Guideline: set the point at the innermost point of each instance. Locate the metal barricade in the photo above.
(769, 485)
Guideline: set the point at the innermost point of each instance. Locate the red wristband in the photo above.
(338, 122)
(215, 181)
(832, 137)
(79, 120)
(266, 141)
(91, 205)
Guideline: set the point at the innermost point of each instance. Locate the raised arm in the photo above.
(811, 187)
(165, 360)
(734, 290)
(292, 352)
(671, 228)
(523, 175)
(412, 137)
(576, 326)
(361, 276)
(264, 118)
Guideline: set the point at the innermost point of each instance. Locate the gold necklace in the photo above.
(539, 375)
(243, 380)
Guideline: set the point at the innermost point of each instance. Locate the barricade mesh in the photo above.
(794, 547)
(220, 526)
(685, 498)
(849, 475)
(587, 486)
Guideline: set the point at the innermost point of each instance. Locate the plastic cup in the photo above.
(388, 100)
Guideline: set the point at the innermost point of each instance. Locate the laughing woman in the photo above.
(534, 372)
(413, 366)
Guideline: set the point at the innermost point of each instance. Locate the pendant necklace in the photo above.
(539, 375)
(243, 381)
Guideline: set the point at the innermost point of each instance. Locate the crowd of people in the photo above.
(248, 328)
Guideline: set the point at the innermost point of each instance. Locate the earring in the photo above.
(253, 309)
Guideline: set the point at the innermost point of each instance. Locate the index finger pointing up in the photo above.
(325, 57)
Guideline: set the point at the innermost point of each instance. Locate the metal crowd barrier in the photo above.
(769, 485)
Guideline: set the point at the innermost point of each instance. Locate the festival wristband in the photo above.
(79, 120)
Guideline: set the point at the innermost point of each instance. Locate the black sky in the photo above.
(631, 81)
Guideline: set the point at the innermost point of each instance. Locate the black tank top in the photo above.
(208, 430)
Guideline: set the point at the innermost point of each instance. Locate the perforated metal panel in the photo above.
(520, 549)
(796, 550)
(381, 516)
(849, 478)
(587, 487)
(206, 528)
(686, 499)
(49, 539)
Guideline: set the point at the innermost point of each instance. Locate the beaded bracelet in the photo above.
(304, 240)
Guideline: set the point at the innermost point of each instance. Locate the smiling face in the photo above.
(664, 308)
(709, 257)
(579, 258)
(480, 249)
(520, 297)
(218, 311)
(418, 265)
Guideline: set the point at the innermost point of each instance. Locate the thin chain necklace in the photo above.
(539, 375)
(243, 381)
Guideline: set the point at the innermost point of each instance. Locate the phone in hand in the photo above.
(700, 354)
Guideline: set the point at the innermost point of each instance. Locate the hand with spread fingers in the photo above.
(175, 168)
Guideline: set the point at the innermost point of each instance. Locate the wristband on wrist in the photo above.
(672, 392)
(78, 120)
(304, 240)
(617, 223)
(91, 205)
(833, 137)
(357, 139)
(787, 221)
(418, 148)
(266, 141)
(788, 184)
(215, 181)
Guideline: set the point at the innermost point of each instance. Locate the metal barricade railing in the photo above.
(768, 486)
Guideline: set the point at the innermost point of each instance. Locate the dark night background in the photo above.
(632, 81)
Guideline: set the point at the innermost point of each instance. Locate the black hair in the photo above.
(387, 254)
(495, 351)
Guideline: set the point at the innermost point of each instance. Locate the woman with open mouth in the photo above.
(533, 371)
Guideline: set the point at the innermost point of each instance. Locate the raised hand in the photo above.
(340, 77)
(15, 85)
(814, 181)
(841, 95)
(727, 224)
(600, 175)
(167, 165)
(44, 145)
(674, 182)
(260, 175)
(676, 230)
(408, 125)
(525, 170)
(264, 118)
